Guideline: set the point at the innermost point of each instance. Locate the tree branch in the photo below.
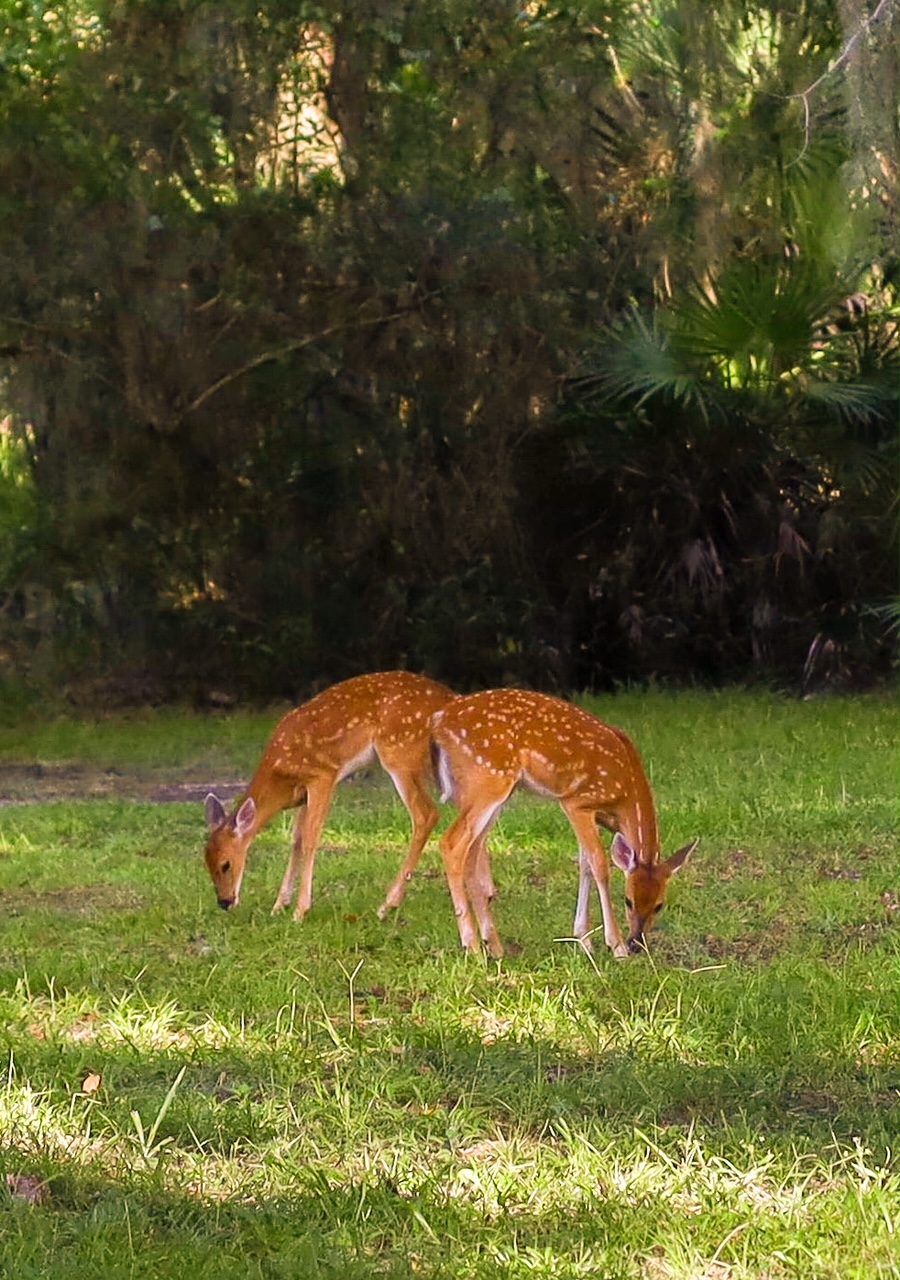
(849, 45)
(269, 357)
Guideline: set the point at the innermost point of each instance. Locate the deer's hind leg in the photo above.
(424, 814)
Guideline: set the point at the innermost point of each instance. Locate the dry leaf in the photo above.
(91, 1082)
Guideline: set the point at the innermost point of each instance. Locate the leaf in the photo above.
(636, 363)
(91, 1082)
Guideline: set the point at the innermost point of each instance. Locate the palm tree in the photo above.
(748, 432)
(742, 416)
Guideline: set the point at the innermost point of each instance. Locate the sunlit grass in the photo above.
(189, 1092)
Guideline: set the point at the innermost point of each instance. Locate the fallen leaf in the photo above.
(91, 1082)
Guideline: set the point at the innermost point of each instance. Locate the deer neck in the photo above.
(638, 824)
(271, 794)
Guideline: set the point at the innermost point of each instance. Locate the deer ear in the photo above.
(622, 854)
(215, 812)
(245, 817)
(677, 860)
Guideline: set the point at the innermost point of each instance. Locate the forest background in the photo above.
(553, 343)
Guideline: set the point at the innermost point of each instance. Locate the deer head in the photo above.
(645, 886)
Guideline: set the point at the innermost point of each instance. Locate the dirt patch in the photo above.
(41, 783)
(73, 901)
(191, 792)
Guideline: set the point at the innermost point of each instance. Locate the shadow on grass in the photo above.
(442, 1084)
(379, 1147)
(95, 1226)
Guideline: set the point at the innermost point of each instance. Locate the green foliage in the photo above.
(287, 296)
(759, 326)
(20, 515)
(773, 501)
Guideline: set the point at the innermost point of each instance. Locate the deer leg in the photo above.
(481, 861)
(592, 852)
(582, 926)
(289, 880)
(455, 844)
(307, 828)
(424, 814)
(318, 801)
(460, 843)
(480, 884)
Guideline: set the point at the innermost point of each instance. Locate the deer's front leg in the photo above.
(312, 820)
(592, 854)
(581, 926)
(286, 892)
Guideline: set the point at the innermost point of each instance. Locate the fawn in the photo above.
(384, 715)
(491, 742)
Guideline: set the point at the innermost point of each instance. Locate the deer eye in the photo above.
(629, 904)
(657, 908)
(226, 866)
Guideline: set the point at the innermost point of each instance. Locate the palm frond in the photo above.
(887, 613)
(636, 364)
(755, 322)
(851, 402)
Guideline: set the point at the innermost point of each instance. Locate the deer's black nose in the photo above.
(636, 944)
(226, 903)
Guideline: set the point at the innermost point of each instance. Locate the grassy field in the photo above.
(189, 1093)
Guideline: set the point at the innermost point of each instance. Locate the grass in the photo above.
(188, 1092)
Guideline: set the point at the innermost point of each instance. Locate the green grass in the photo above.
(346, 1098)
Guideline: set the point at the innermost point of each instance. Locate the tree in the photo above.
(288, 295)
